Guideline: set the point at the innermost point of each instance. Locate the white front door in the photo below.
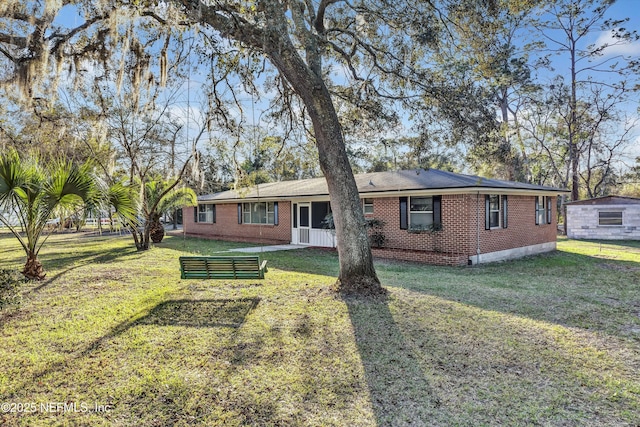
(304, 223)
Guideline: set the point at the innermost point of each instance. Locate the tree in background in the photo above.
(405, 153)
(30, 193)
(48, 131)
(144, 144)
(152, 139)
(630, 182)
(586, 98)
(488, 55)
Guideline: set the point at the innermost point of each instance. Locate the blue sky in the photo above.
(620, 10)
(630, 9)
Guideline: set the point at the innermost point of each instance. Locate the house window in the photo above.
(258, 213)
(543, 210)
(494, 211)
(420, 212)
(540, 210)
(319, 212)
(367, 206)
(207, 213)
(609, 218)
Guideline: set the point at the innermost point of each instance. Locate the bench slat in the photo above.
(213, 267)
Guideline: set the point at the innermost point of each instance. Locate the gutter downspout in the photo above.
(478, 227)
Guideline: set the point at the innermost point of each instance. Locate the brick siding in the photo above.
(425, 257)
(522, 229)
(463, 227)
(463, 217)
(227, 228)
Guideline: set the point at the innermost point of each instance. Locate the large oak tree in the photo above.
(371, 54)
(292, 35)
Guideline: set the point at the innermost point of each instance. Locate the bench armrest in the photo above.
(263, 266)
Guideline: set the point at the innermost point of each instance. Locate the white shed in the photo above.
(606, 218)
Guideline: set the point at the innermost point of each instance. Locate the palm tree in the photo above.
(166, 202)
(161, 196)
(30, 193)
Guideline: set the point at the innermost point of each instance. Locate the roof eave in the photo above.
(397, 193)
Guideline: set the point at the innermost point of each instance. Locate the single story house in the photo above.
(429, 216)
(608, 218)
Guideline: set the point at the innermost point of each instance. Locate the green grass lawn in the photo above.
(547, 340)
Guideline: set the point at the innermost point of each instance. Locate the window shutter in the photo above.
(275, 213)
(404, 212)
(537, 207)
(548, 210)
(505, 211)
(487, 213)
(437, 211)
(195, 213)
(214, 213)
(239, 213)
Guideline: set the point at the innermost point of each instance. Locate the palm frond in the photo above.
(13, 176)
(69, 187)
(153, 191)
(177, 198)
(119, 197)
(69, 183)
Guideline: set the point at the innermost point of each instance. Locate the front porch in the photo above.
(308, 228)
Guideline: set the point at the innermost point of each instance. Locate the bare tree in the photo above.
(587, 66)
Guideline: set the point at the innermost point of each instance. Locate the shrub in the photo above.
(10, 281)
(376, 235)
(431, 228)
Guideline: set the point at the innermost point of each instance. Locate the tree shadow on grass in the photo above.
(200, 313)
(67, 264)
(400, 392)
(206, 313)
(54, 260)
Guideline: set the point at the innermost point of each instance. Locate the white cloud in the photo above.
(616, 46)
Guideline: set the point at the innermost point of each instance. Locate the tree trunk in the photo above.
(144, 240)
(573, 143)
(138, 238)
(506, 142)
(33, 269)
(146, 235)
(357, 273)
(156, 231)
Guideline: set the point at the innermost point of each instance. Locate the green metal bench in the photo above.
(222, 267)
